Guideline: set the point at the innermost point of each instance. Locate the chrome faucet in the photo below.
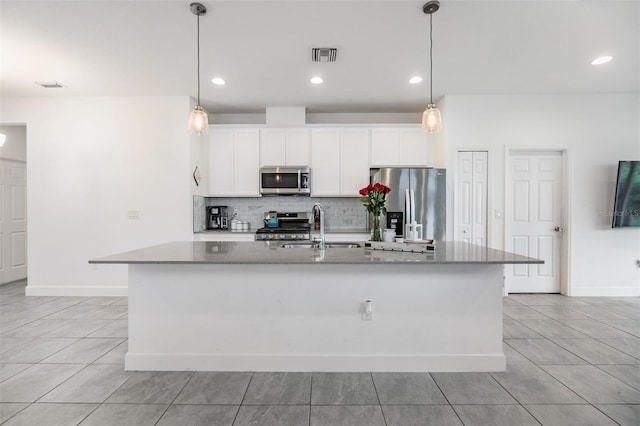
(313, 212)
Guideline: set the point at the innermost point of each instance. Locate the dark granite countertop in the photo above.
(272, 252)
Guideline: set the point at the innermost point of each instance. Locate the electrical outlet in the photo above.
(133, 214)
(367, 310)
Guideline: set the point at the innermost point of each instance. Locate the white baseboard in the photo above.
(314, 362)
(606, 291)
(115, 291)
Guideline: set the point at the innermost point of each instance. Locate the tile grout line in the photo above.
(601, 340)
(193, 373)
(244, 395)
(513, 396)
(310, 396)
(445, 397)
(375, 388)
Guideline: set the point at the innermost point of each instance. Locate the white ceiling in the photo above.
(263, 50)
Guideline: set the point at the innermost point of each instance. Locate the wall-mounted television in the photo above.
(626, 207)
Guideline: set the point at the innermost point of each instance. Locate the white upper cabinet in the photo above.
(399, 147)
(339, 157)
(325, 162)
(354, 165)
(385, 147)
(284, 147)
(339, 161)
(413, 147)
(297, 147)
(272, 147)
(221, 161)
(234, 162)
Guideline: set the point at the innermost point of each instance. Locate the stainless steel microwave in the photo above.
(288, 180)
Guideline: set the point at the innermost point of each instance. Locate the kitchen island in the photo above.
(224, 306)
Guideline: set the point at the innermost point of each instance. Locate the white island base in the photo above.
(308, 317)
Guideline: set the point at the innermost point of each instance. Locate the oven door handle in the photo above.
(299, 175)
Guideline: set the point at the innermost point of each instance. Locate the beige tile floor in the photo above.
(571, 361)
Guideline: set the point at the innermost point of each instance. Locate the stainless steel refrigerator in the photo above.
(429, 187)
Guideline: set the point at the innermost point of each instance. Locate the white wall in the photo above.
(90, 161)
(597, 131)
(15, 147)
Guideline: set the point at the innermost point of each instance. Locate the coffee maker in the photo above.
(217, 217)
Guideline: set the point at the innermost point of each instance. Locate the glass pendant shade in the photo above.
(3, 138)
(198, 121)
(431, 120)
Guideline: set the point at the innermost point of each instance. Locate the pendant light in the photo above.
(3, 139)
(198, 120)
(431, 120)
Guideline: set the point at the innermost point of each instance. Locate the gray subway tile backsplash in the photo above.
(340, 213)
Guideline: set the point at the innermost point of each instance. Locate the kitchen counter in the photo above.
(255, 306)
(271, 252)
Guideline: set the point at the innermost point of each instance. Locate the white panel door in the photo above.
(472, 197)
(534, 211)
(480, 197)
(13, 221)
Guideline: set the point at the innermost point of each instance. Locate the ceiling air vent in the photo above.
(49, 84)
(324, 54)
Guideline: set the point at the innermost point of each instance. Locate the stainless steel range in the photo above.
(285, 226)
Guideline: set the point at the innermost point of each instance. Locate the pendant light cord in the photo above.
(431, 58)
(198, 25)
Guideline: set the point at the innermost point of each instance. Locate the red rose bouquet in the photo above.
(373, 199)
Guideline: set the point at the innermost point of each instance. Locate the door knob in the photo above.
(558, 229)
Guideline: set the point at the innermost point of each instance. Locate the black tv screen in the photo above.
(626, 208)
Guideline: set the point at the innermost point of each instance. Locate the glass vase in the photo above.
(376, 232)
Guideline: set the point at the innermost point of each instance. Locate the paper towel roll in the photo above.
(407, 207)
(413, 206)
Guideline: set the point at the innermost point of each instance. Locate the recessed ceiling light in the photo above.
(601, 60)
(415, 79)
(219, 81)
(50, 84)
(316, 80)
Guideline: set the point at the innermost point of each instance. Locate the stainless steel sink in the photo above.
(337, 244)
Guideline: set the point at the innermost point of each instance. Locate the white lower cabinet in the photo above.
(344, 237)
(224, 236)
(339, 161)
(234, 162)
